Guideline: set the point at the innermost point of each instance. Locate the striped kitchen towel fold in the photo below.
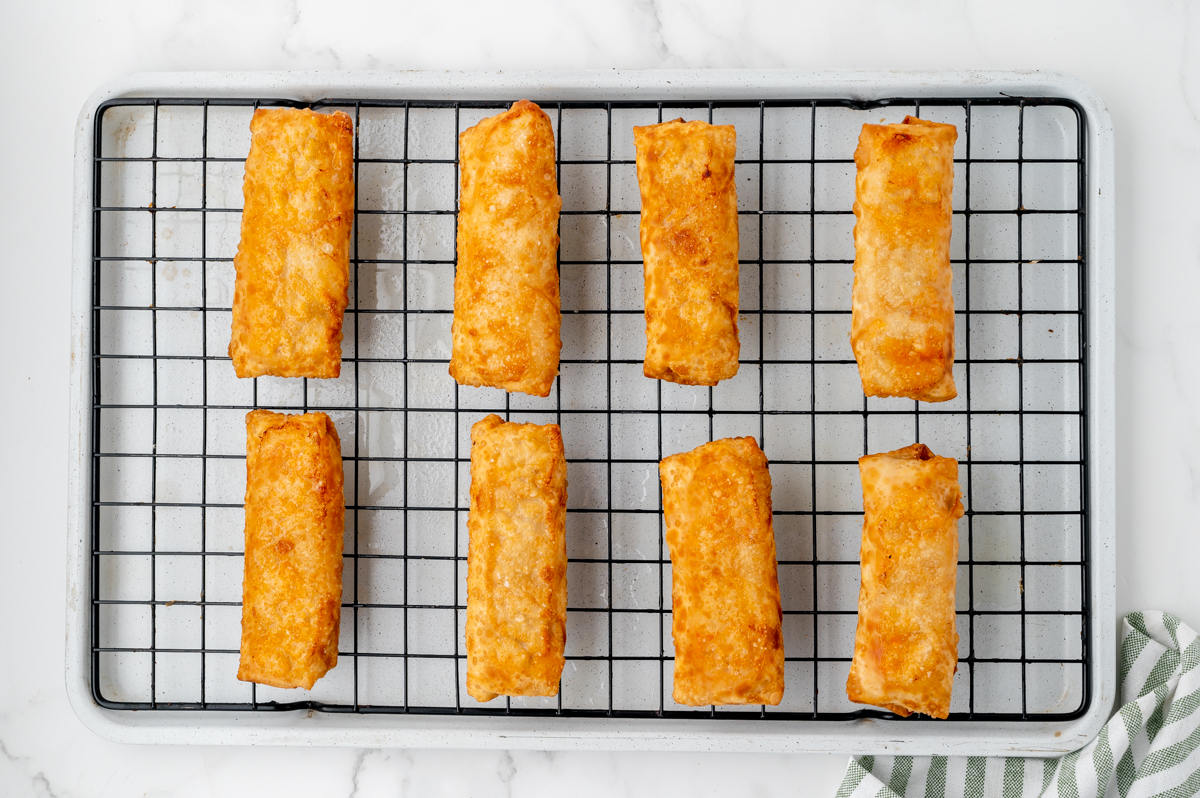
(1150, 747)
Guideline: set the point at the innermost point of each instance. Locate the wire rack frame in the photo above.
(811, 683)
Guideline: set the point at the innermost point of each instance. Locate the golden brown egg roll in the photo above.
(902, 324)
(906, 645)
(726, 618)
(293, 260)
(506, 325)
(295, 518)
(516, 560)
(689, 232)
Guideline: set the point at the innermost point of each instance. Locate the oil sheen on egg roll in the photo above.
(517, 560)
(725, 611)
(292, 262)
(689, 232)
(295, 518)
(506, 325)
(902, 324)
(906, 646)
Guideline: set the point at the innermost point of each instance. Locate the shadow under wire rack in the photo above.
(168, 446)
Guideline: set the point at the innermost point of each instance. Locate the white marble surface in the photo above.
(1143, 58)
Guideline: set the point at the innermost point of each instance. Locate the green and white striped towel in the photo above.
(1150, 747)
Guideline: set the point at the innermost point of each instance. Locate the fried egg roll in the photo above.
(295, 518)
(506, 328)
(689, 232)
(516, 560)
(726, 618)
(902, 324)
(906, 645)
(293, 260)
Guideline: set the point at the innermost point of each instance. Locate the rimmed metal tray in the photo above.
(157, 461)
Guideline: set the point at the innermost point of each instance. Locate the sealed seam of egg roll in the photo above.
(517, 560)
(902, 324)
(295, 520)
(689, 233)
(506, 329)
(906, 644)
(726, 619)
(293, 259)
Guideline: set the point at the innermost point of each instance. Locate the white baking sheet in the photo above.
(584, 387)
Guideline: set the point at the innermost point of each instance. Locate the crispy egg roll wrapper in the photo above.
(902, 324)
(689, 233)
(293, 259)
(726, 618)
(517, 560)
(906, 645)
(506, 329)
(295, 519)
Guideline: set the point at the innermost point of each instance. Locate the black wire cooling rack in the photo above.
(167, 412)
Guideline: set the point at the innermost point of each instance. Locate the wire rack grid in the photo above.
(168, 444)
